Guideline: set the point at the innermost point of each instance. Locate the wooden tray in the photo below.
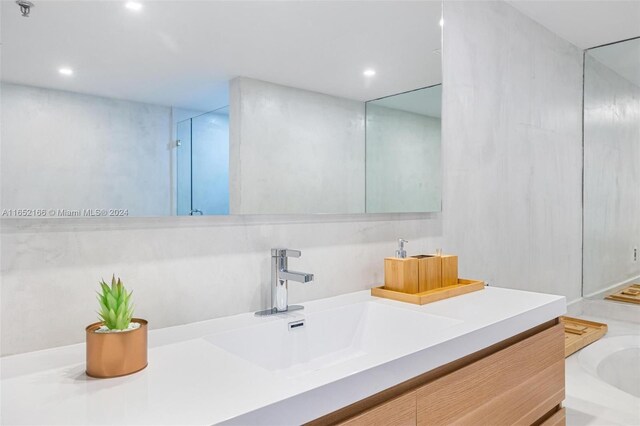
(579, 333)
(463, 287)
(629, 294)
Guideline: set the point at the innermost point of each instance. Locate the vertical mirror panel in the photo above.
(611, 166)
(403, 162)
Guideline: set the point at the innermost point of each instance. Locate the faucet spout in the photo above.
(301, 277)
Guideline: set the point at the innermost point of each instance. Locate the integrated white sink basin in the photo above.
(332, 337)
(258, 372)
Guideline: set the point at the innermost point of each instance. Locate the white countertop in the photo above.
(190, 380)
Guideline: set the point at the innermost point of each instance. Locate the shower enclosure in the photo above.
(203, 164)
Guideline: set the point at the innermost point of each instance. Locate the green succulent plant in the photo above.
(115, 305)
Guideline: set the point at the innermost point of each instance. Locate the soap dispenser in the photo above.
(401, 253)
(401, 272)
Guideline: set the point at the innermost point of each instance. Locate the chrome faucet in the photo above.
(280, 277)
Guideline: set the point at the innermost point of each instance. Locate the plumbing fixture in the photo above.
(25, 7)
(280, 276)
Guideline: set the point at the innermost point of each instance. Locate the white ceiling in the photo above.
(623, 58)
(586, 24)
(427, 101)
(183, 53)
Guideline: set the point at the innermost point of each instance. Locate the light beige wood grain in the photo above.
(464, 286)
(516, 385)
(523, 404)
(449, 269)
(559, 418)
(429, 272)
(395, 295)
(580, 333)
(629, 294)
(401, 274)
(450, 291)
(417, 382)
(400, 411)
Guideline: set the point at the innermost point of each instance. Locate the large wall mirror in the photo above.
(160, 108)
(611, 166)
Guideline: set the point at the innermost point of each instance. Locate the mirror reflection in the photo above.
(203, 164)
(611, 166)
(403, 152)
(219, 107)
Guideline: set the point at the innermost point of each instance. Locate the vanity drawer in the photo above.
(559, 418)
(516, 385)
(400, 411)
(519, 381)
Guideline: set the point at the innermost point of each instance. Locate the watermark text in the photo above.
(64, 212)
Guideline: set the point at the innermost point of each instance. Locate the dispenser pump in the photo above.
(401, 253)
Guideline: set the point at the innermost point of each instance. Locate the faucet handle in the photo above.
(280, 252)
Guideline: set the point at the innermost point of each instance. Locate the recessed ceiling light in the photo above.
(65, 71)
(441, 22)
(369, 72)
(133, 5)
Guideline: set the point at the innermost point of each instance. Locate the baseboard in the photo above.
(601, 293)
(594, 304)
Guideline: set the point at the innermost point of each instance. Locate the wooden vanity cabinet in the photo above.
(516, 385)
(519, 381)
(400, 411)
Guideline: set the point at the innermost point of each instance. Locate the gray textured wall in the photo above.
(512, 149)
(293, 151)
(66, 150)
(183, 269)
(512, 190)
(404, 162)
(611, 177)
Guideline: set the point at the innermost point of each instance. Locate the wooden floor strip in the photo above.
(629, 294)
(579, 333)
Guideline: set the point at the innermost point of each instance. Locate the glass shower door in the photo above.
(203, 164)
(210, 162)
(184, 168)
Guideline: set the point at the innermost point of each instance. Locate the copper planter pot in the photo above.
(116, 354)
